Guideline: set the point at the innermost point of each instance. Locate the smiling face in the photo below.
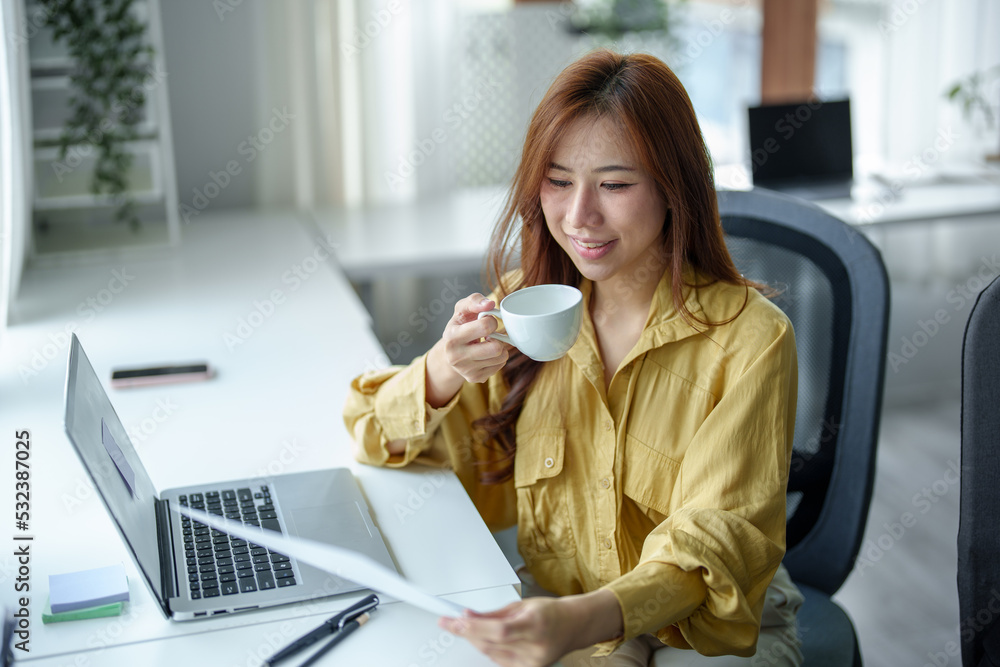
(600, 206)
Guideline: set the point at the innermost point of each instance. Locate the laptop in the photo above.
(803, 149)
(194, 571)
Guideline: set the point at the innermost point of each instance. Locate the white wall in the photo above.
(15, 182)
(219, 66)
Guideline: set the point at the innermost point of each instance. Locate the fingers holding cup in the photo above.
(468, 347)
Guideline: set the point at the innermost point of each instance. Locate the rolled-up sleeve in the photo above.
(376, 414)
(390, 405)
(703, 572)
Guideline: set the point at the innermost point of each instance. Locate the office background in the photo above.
(427, 98)
(385, 103)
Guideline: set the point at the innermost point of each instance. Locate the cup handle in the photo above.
(499, 336)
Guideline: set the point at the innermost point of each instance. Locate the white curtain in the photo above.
(401, 53)
(930, 45)
(15, 156)
(369, 82)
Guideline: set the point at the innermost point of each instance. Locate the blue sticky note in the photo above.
(87, 588)
(118, 456)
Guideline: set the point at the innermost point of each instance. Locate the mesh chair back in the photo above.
(831, 283)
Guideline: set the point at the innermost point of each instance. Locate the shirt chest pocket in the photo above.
(544, 517)
(649, 478)
(667, 411)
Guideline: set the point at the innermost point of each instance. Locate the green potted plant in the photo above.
(612, 19)
(111, 56)
(971, 94)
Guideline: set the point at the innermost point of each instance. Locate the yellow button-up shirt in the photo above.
(667, 488)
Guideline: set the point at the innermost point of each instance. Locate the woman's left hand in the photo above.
(536, 632)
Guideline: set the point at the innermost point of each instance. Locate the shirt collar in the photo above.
(665, 324)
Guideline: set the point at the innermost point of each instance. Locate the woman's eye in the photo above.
(616, 186)
(555, 182)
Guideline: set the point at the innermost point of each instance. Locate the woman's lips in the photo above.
(590, 249)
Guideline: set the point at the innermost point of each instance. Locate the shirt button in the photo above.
(608, 424)
(606, 483)
(607, 543)
(549, 462)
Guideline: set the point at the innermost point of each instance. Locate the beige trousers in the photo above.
(778, 645)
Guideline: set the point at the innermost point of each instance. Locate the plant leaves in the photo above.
(107, 43)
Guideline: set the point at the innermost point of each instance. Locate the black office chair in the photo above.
(833, 286)
(978, 534)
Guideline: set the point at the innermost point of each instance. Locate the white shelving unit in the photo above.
(67, 219)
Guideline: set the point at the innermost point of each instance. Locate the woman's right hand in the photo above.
(461, 355)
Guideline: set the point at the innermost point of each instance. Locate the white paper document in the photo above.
(344, 563)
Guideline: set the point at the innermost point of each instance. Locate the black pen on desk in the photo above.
(347, 629)
(335, 625)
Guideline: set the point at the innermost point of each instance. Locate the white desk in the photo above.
(274, 407)
(451, 234)
(445, 235)
(945, 201)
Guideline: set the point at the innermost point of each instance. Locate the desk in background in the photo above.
(450, 234)
(259, 296)
(441, 235)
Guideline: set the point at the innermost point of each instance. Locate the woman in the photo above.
(647, 469)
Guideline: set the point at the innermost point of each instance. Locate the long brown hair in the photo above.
(654, 115)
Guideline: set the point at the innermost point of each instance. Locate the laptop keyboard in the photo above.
(220, 565)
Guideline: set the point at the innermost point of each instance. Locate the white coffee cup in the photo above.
(542, 321)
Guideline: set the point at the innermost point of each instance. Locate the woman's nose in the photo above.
(583, 209)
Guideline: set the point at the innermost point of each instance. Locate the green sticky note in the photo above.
(100, 611)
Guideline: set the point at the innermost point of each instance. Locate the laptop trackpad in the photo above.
(341, 524)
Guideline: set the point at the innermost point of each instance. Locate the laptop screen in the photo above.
(106, 452)
(798, 144)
